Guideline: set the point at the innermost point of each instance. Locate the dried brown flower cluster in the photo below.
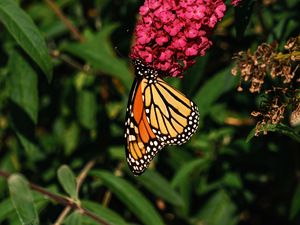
(282, 91)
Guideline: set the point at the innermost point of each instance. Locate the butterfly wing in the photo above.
(173, 118)
(157, 115)
(140, 141)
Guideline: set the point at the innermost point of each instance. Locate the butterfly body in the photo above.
(157, 115)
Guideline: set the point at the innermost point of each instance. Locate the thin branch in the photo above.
(62, 200)
(55, 8)
(106, 198)
(82, 175)
(71, 62)
(62, 215)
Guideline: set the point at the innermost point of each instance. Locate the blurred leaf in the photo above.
(292, 3)
(23, 92)
(205, 186)
(295, 205)
(31, 149)
(22, 200)
(212, 90)
(71, 138)
(40, 201)
(233, 180)
(280, 128)
(195, 73)
(67, 180)
(185, 172)
(83, 80)
(47, 21)
(114, 110)
(98, 52)
(22, 85)
(219, 210)
(26, 34)
(177, 156)
(74, 219)
(219, 113)
(242, 17)
(286, 27)
(131, 197)
(87, 109)
(220, 133)
(159, 186)
(175, 83)
(105, 213)
(14, 220)
(6, 208)
(117, 152)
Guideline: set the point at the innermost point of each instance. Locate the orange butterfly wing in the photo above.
(141, 143)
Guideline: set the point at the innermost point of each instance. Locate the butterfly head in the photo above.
(143, 70)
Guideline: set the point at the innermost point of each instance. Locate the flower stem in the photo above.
(295, 55)
(55, 8)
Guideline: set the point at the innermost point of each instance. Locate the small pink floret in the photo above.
(235, 3)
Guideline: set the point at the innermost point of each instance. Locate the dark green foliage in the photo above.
(65, 132)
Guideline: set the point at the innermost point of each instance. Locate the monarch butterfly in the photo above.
(157, 115)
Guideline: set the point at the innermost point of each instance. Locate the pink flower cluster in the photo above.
(172, 33)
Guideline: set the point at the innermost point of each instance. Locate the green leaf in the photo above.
(105, 213)
(205, 186)
(83, 80)
(117, 152)
(184, 179)
(71, 138)
(98, 52)
(26, 34)
(213, 89)
(131, 197)
(197, 165)
(14, 220)
(22, 200)
(74, 219)
(68, 181)
(159, 186)
(23, 85)
(195, 73)
(242, 17)
(6, 208)
(87, 109)
(219, 210)
(295, 205)
(30, 147)
(219, 113)
(233, 180)
(280, 128)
